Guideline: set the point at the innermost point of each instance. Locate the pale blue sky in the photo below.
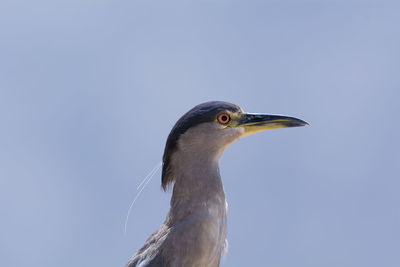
(89, 91)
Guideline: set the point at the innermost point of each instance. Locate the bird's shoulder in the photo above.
(149, 255)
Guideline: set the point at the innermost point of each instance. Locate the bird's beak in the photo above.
(259, 122)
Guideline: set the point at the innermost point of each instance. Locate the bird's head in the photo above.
(207, 129)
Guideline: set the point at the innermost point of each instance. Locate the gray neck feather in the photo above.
(197, 182)
(197, 217)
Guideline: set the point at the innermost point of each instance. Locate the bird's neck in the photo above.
(198, 188)
(197, 217)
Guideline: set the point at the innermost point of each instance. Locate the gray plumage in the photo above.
(194, 232)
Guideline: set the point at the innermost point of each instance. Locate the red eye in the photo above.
(223, 118)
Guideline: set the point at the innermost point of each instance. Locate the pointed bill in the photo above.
(259, 122)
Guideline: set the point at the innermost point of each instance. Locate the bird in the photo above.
(194, 231)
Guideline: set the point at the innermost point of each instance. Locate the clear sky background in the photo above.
(89, 91)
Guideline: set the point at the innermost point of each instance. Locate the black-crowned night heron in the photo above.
(194, 232)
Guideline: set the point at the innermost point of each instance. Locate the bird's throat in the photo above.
(198, 211)
(196, 186)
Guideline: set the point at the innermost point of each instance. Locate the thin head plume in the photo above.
(141, 187)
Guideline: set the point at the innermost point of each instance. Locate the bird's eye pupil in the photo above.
(223, 118)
